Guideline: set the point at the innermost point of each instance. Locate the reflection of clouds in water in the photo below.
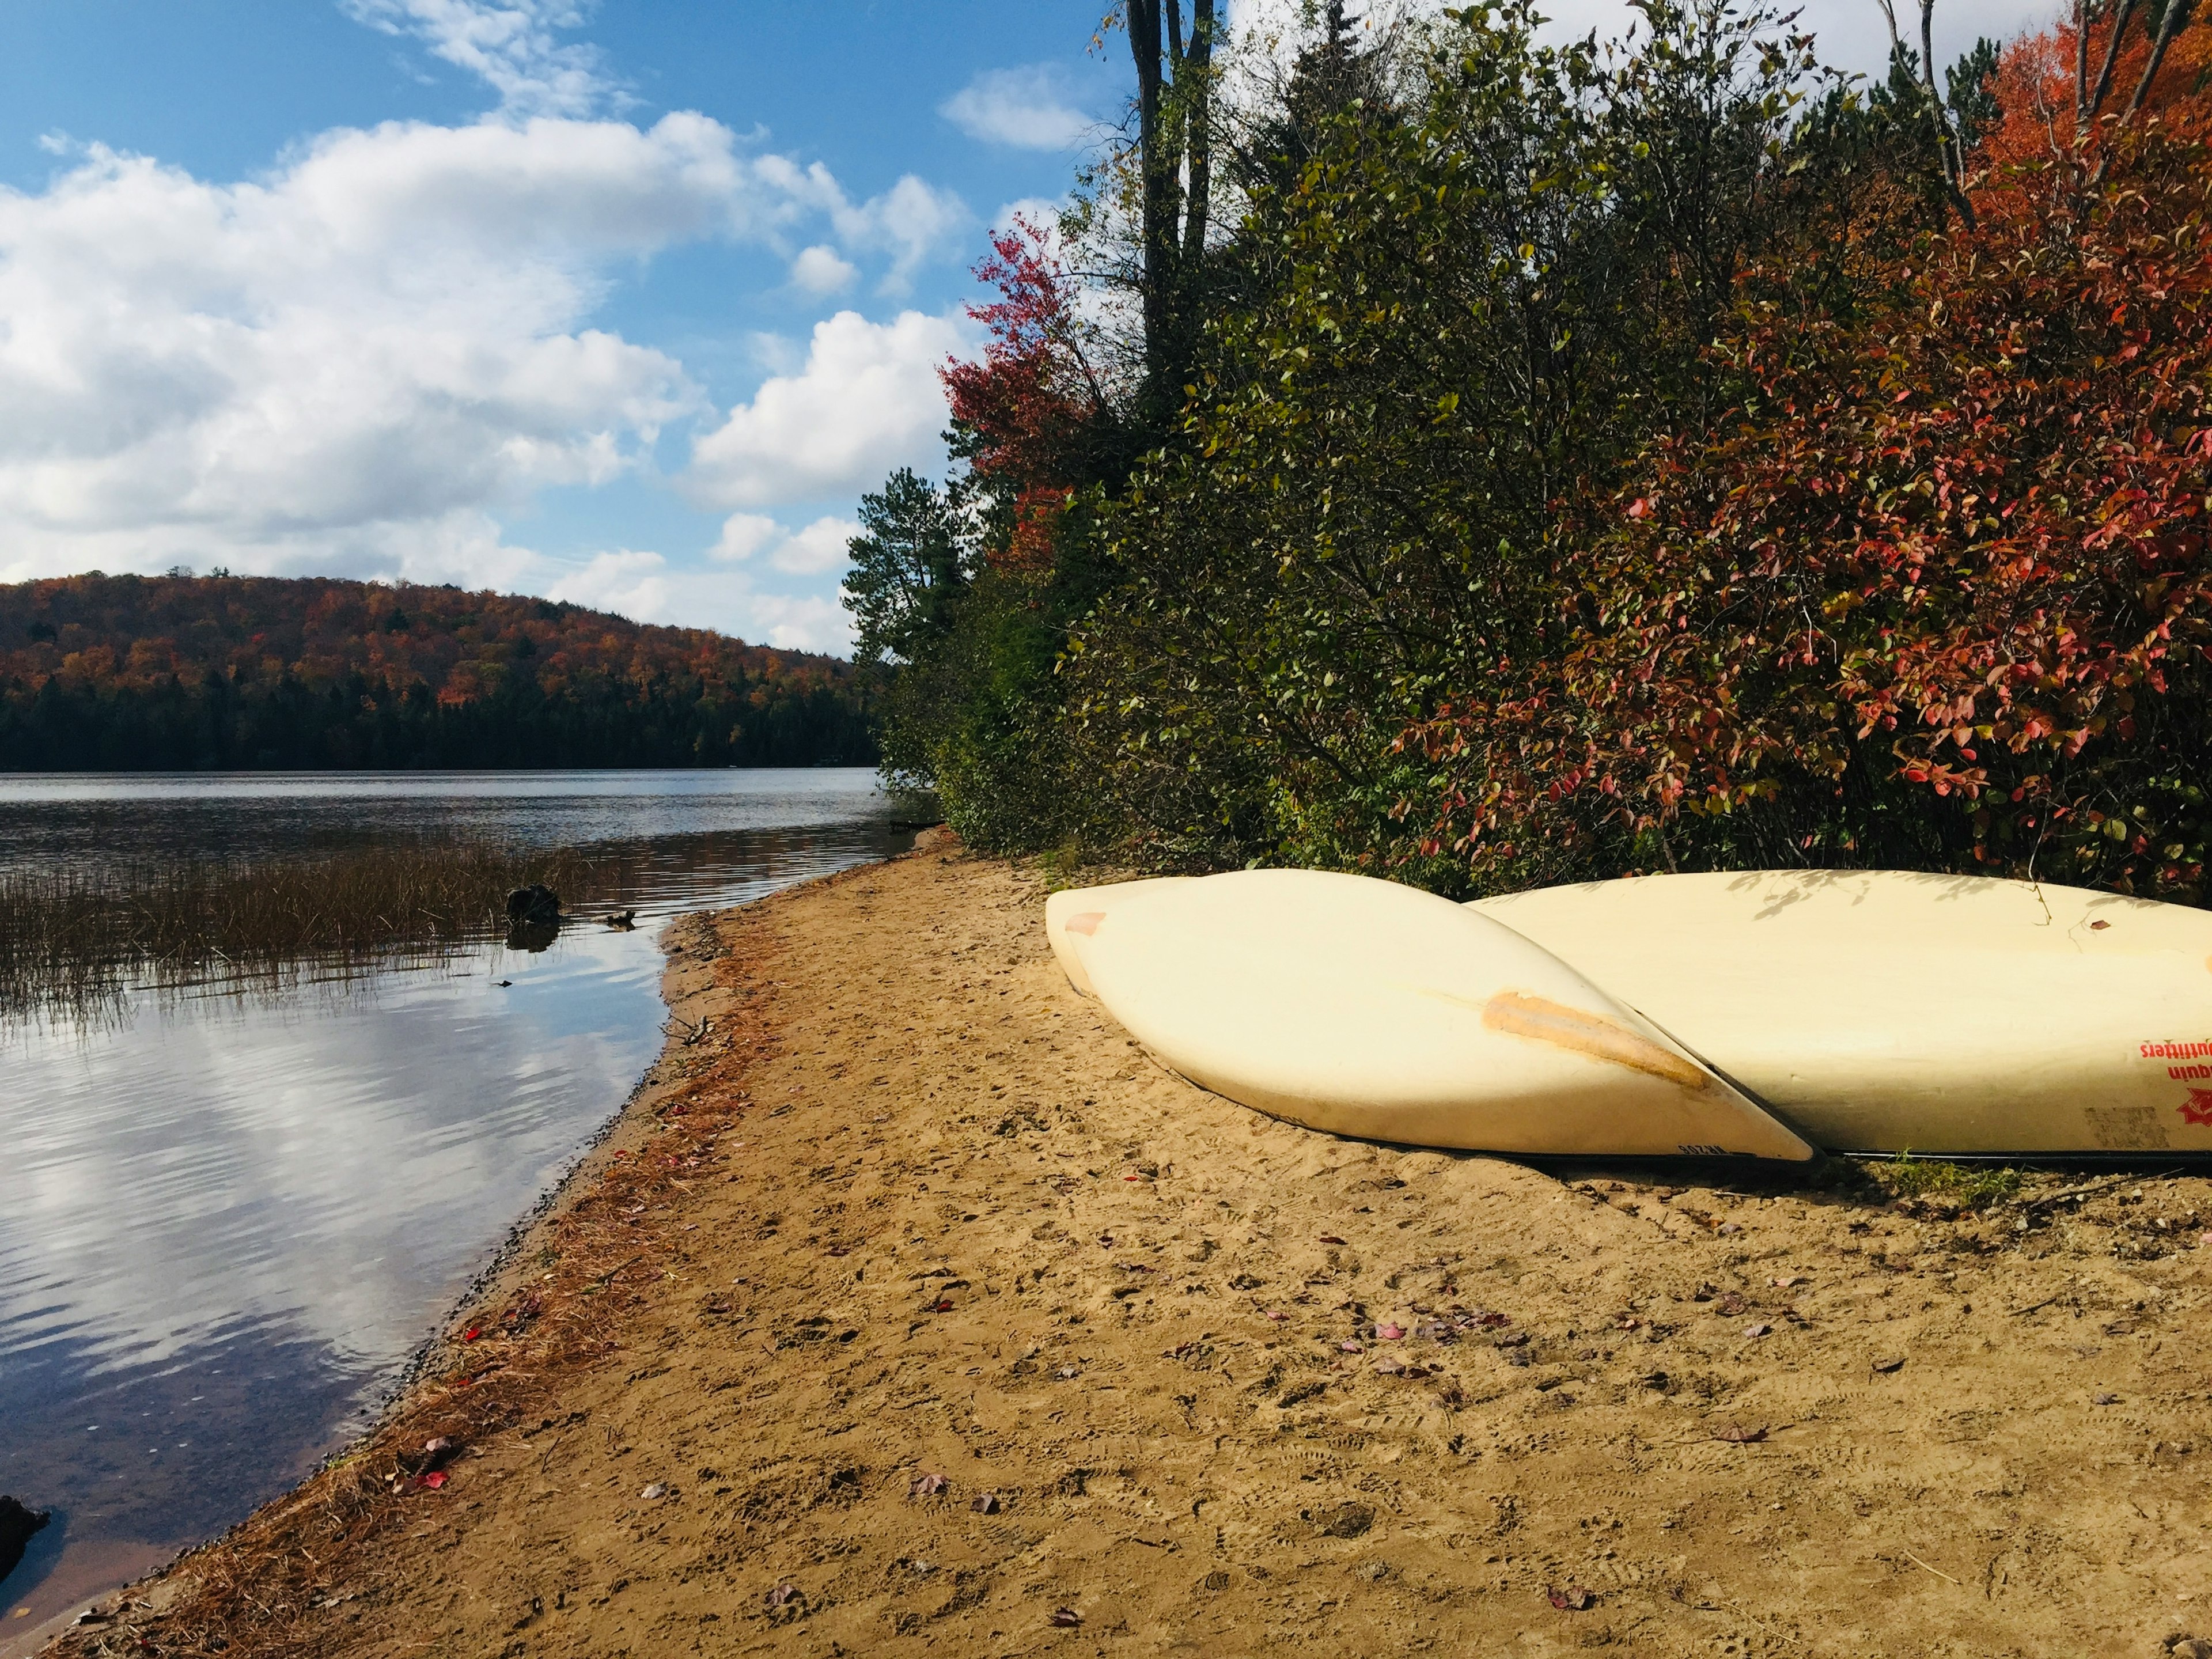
(332, 1170)
(227, 1215)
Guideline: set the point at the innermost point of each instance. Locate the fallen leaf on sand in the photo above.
(1330, 1239)
(1757, 1330)
(927, 1486)
(1066, 1618)
(1573, 1599)
(1389, 1333)
(1886, 1366)
(1787, 1280)
(435, 1479)
(1736, 1435)
(2105, 1399)
(1352, 1347)
(1069, 1373)
(654, 1492)
(943, 1304)
(783, 1596)
(1279, 1317)
(988, 1503)
(471, 1334)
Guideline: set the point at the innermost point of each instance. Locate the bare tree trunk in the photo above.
(2169, 25)
(1198, 74)
(2086, 113)
(1174, 162)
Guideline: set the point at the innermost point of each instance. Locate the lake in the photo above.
(229, 1214)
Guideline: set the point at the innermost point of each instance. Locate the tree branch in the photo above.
(2085, 114)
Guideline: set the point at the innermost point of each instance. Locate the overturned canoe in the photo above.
(1087, 902)
(1879, 1010)
(1366, 1008)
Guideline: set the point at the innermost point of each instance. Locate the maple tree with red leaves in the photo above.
(1936, 590)
(1027, 414)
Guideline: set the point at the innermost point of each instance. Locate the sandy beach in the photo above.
(911, 1306)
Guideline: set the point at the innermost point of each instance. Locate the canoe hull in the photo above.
(1365, 1008)
(1885, 1011)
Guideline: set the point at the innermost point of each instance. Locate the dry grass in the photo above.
(72, 940)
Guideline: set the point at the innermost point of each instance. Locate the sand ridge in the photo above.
(955, 1323)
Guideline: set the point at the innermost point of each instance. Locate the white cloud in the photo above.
(1851, 33)
(646, 588)
(1041, 211)
(868, 400)
(818, 269)
(807, 551)
(632, 584)
(356, 360)
(510, 45)
(798, 622)
(912, 221)
(818, 547)
(1025, 107)
(745, 534)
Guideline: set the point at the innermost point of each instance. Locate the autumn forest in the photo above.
(1439, 452)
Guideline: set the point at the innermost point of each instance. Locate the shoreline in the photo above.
(909, 1304)
(156, 1590)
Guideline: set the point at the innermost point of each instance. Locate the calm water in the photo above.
(226, 1220)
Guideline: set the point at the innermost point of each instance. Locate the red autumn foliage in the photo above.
(1025, 408)
(139, 630)
(1952, 544)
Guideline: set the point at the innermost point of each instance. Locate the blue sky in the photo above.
(624, 302)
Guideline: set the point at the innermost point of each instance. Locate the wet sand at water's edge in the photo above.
(912, 1307)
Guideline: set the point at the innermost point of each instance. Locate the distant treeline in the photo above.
(176, 672)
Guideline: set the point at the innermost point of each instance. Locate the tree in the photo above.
(1175, 165)
(908, 571)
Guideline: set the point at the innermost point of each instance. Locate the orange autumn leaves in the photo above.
(1939, 575)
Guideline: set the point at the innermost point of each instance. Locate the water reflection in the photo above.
(229, 1214)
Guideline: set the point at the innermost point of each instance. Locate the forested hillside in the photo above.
(105, 672)
(1490, 463)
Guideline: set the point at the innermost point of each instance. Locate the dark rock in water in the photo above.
(17, 1523)
(536, 905)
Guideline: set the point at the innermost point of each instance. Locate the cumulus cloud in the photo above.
(820, 546)
(818, 269)
(1025, 107)
(356, 360)
(631, 584)
(745, 534)
(809, 551)
(390, 329)
(513, 46)
(912, 221)
(867, 399)
(646, 588)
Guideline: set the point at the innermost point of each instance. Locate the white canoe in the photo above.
(1367, 1008)
(1068, 942)
(1877, 1011)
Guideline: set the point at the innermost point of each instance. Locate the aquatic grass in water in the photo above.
(72, 939)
